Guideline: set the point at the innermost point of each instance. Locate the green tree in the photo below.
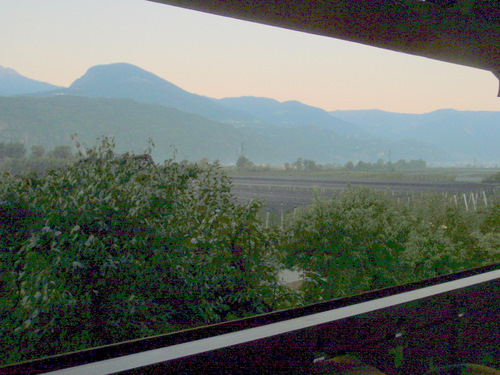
(347, 245)
(13, 150)
(400, 165)
(349, 166)
(417, 164)
(115, 248)
(362, 166)
(61, 152)
(365, 240)
(298, 164)
(37, 151)
(243, 163)
(310, 165)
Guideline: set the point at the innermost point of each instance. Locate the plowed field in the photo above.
(286, 193)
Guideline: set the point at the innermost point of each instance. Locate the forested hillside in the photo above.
(461, 134)
(51, 121)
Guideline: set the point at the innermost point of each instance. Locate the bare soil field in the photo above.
(286, 193)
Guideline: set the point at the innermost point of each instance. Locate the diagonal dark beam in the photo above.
(450, 34)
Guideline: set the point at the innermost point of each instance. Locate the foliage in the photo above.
(365, 240)
(243, 163)
(38, 162)
(13, 150)
(494, 178)
(37, 151)
(116, 247)
(400, 165)
(308, 165)
(61, 152)
(347, 245)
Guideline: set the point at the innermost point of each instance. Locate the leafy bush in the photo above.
(115, 248)
(348, 245)
(365, 240)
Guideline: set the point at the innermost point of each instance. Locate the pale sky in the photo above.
(56, 41)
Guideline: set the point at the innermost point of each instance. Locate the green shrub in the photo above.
(365, 240)
(116, 248)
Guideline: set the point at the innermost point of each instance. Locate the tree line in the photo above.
(14, 159)
(307, 165)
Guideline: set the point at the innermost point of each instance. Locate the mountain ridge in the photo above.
(50, 121)
(291, 113)
(474, 136)
(463, 134)
(12, 83)
(127, 81)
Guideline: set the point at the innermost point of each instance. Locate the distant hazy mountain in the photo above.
(463, 134)
(379, 124)
(50, 121)
(291, 114)
(12, 83)
(273, 132)
(126, 81)
(327, 146)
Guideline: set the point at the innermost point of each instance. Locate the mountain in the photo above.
(465, 135)
(12, 83)
(273, 132)
(126, 81)
(50, 121)
(379, 124)
(327, 146)
(291, 114)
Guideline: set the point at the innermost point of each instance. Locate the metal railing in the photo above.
(406, 329)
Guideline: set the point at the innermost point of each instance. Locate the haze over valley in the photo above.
(133, 105)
